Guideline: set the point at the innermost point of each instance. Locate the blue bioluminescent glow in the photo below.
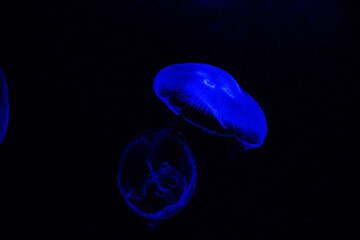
(211, 99)
(157, 174)
(4, 106)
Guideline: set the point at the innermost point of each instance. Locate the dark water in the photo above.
(80, 78)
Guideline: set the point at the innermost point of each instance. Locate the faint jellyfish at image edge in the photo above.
(4, 106)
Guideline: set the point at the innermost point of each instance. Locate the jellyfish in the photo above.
(4, 106)
(157, 174)
(211, 99)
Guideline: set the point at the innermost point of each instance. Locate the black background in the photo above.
(80, 80)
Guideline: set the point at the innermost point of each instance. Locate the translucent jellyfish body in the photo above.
(157, 174)
(4, 106)
(211, 99)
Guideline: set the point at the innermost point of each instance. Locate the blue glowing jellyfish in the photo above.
(157, 174)
(211, 99)
(4, 106)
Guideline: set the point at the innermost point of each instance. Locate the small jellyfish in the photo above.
(4, 106)
(157, 174)
(211, 99)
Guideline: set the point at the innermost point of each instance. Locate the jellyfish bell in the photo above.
(157, 174)
(211, 99)
(4, 106)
